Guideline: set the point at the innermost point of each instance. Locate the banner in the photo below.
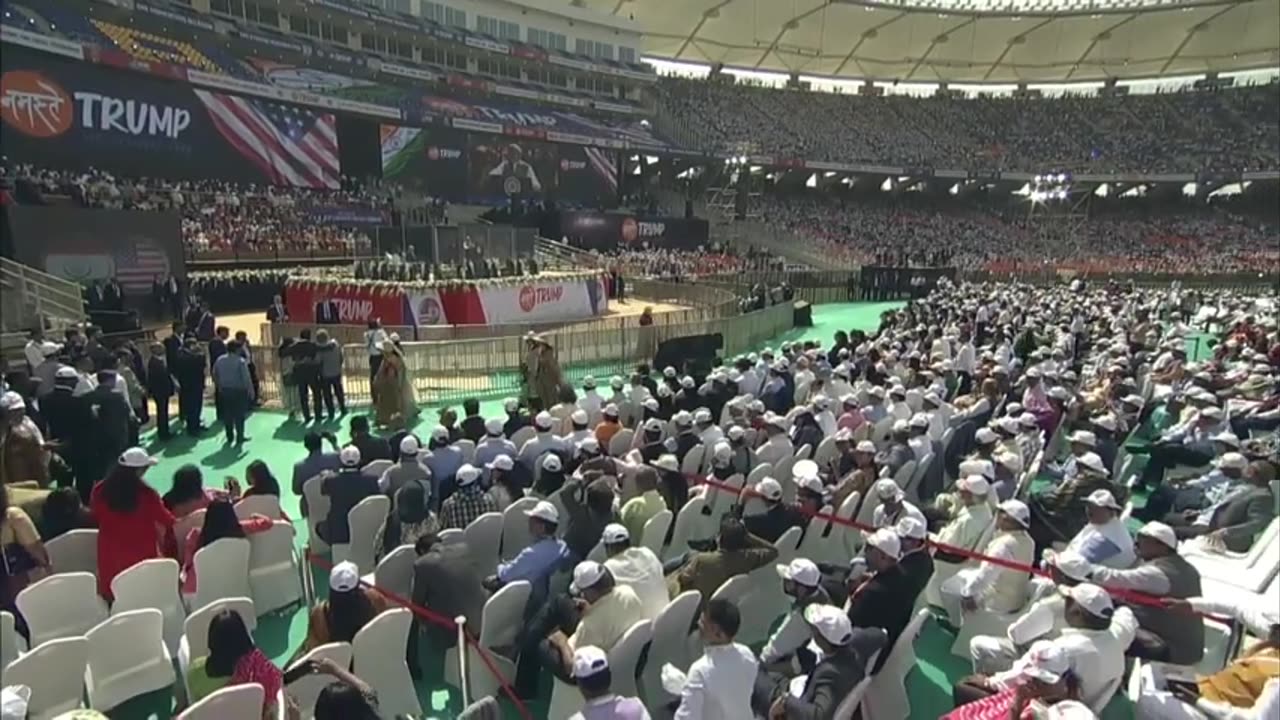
(82, 245)
(347, 215)
(543, 299)
(68, 114)
(426, 307)
(357, 304)
(610, 231)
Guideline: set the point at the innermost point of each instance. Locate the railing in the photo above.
(445, 371)
(33, 297)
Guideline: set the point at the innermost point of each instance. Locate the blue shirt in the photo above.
(313, 465)
(443, 462)
(534, 563)
(490, 448)
(231, 372)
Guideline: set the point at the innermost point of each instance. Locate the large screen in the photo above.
(488, 168)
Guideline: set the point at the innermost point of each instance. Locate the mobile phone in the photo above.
(302, 669)
(1185, 685)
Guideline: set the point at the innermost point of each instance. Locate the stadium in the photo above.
(809, 360)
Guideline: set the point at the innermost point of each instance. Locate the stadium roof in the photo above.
(962, 41)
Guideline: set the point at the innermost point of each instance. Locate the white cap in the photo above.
(589, 445)
(1106, 422)
(682, 419)
(344, 577)
(652, 424)
(811, 483)
(579, 417)
(802, 571)
(1010, 460)
(586, 574)
(822, 402)
(1233, 460)
(1017, 510)
(735, 433)
(1093, 462)
(651, 403)
(511, 405)
(614, 533)
(770, 489)
(974, 484)
(1212, 412)
(1160, 531)
(12, 401)
(610, 410)
(501, 462)
(1069, 710)
(985, 436)
(616, 382)
(65, 373)
(687, 382)
(136, 457)
(831, 622)
(886, 541)
(1103, 498)
(467, 474)
(1227, 438)
(901, 426)
(1071, 564)
(985, 468)
(409, 445)
(588, 382)
(933, 399)
(544, 511)
(14, 701)
(702, 415)
(887, 489)
(543, 420)
(667, 462)
(1059, 393)
(1027, 420)
(493, 426)
(722, 452)
(865, 446)
(1083, 437)
(1092, 598)
(668, 372)
(349, 456)
(589, 660)
(1045, 661)
(910, 526)
(439, 432)
(804, 469)
(551, 461)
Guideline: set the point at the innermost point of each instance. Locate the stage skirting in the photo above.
(542, 299)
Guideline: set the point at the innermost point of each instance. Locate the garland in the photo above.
(394, 287)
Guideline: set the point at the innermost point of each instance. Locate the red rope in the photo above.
(442, 621)
(1129, 596)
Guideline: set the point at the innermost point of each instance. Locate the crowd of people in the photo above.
(1178, 132)
(678, 265)
(1006, 239)
(935, 423)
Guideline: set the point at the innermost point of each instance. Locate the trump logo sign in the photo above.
(531, 296)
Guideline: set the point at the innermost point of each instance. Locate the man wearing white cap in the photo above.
(708, 432)
(493, 444)
(1233, 519)
(916, 560)
(802, 582)
(407, 470)
(1164, 636)
(1030, 440)
(1043, 619)
(893, 505)
(1057, 514)
(636, 567)
(468, 502)
(992, 587)
(602, 611)
(1081, 442)
(515, 419)
(919, 441)
(685, 438)
(964, 525)
(648, 502)
(777, 516)
(541, 557)
(778, 446)
(846, 652)
(1189, 443)
(1195, 493)
(543, 442)
(881, 595)
(590, 670)
(345, 489)
(1104, 540)
(1038, 679)
(898, 453)
(591, 403)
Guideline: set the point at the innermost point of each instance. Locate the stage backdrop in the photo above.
(528, 300)
(77, 115)
(609, 231)
(84, 245)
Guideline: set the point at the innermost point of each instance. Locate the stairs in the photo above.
(33, 297)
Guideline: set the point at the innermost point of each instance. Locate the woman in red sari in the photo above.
(133, 523)
(1042, 678)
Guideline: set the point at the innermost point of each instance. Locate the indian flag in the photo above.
(399, 146)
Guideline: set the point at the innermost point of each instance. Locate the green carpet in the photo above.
(279, 443)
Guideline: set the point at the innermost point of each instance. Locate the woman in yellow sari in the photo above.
(395, 405)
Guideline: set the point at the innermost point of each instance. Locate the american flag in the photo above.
(603, 165)
(137, 263)
(291, 145)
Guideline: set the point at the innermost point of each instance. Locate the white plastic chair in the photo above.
(195, 632)
(515, 527)
(689, 526)
(152, 584)
(764, 600)
(850, 703)
(692, 460)
(378, 653)
(903, 476)
(127, 658)
(826, 451)
(621, 442)
(804, 452)
(395, 572)
(624, 656)
(364, 521)
(63, 605)
(521, 436)
(669, 645)
(886, 697)
(499, 624)
(74, 551)
(265, 505)
(735, 588)
(237, 701)
(274, 580)
(912, 488)
(846, 540)
(375, 468)
(815, 544)
(467, 448)
(759, 473)
(222, 571)
(306, 689)
(11, 643)
(55, 673)
(317, 511)
(484, 538)
(185, 525)
(719, 500)
(655, 531)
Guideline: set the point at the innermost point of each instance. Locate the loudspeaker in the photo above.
(691, 354)
(803, 313)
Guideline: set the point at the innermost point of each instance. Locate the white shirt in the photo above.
(591, 403)
(880, 519)
(965, 359)
(719, 684)
(373, 340)
(775, 448)
(1096, 655)
(641, 570)
(996, 587)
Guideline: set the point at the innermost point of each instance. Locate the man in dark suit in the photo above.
(846, 655)
(1235, 522)
(173, 296)
(778, 518)
(111, 417)
(276, 312)
(881, 597)
(189, 370)
(446, 581)
(71, 427)
(916, 562)
(98, 352)
(218, 345)
(113, 295)
(161, 387)
(327, 312)
(306, 374)
(206, 324)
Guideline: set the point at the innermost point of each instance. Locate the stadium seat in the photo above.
(274, 579)
(317, 511)
(365, 521)
(59, 606)
(152, 584)
(195, 634)
(689, 526)
(222, 571)
(670, 645)
(499, 627)
(394, 573)
(378, 658)
(54, 671)
(11, 643)
(127, 658)
(484, 538)
(515, 527)
(306, 690)
(74, 551)
(267, 506)
(237, 701)
(886, 697)
(655, 532)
